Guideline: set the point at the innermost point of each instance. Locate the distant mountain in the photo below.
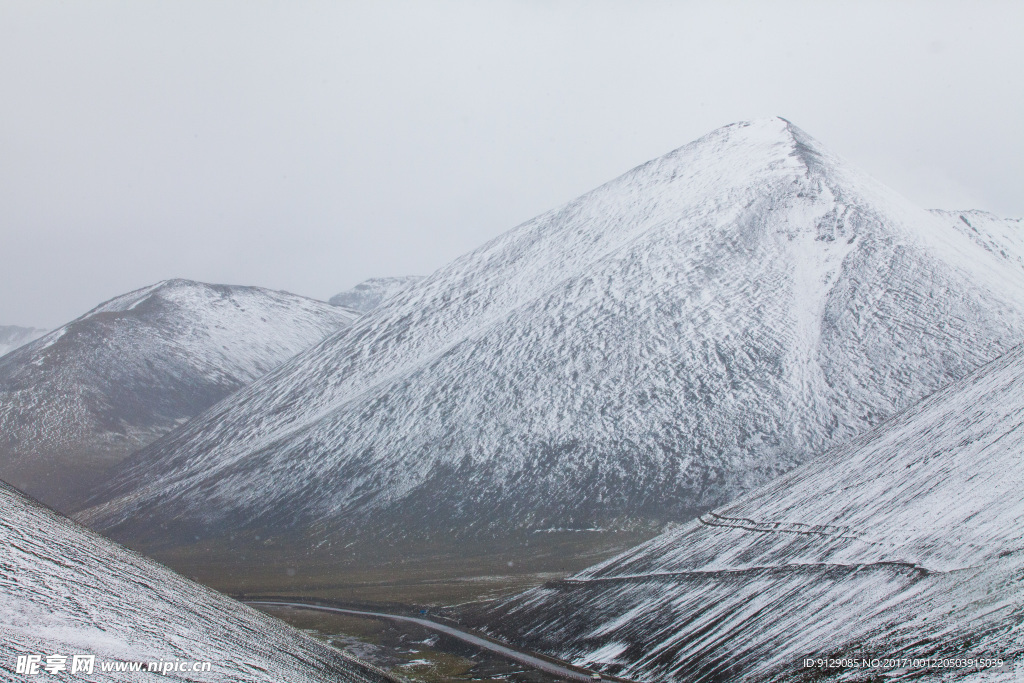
(1003, 237)
(905, 543)
(369, 294)
(65, 591)
(642, 354)
(84, 396)
(12, 336)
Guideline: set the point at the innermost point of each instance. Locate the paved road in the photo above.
(514, 655)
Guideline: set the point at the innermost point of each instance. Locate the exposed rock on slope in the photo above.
(12, 336)
(650, 350)
(367, 295)
(905, 543)
(64, 590)
(86, 395)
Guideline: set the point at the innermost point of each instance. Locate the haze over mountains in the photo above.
(904, 543)
(657, 347)
(83, 397)
(369, 294)
(12, 336)
(64, 590)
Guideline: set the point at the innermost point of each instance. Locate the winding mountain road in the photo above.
(503, 650)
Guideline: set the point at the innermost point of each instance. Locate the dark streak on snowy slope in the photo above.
(650, 350)
(65, 590)
(908, 542)
(85, 396)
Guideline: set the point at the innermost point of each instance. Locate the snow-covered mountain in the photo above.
(65, 591)
(12, 336)
(644, 353)
(907, 542)
(84, 396)
(369, 294)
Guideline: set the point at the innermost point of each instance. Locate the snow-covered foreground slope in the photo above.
(84, 396)
(12, 336)
(369, 294)
(64, 590)
(650, 350)
(906, 542)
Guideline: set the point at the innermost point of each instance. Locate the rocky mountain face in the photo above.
(905, 543)
(12, 336)
(85, 396)
(65, 591)
(649, 351)
(369, 294)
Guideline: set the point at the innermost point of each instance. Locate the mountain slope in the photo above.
(64, 590)
(369, 294)
(648, 351)
(906, 542)
(86, 395)
(12, 336)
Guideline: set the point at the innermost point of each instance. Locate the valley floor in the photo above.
(409, 650)
(434, 576)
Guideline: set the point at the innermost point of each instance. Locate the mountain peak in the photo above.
(177, 289)
(771, 132)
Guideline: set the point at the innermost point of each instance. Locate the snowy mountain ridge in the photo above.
(650, 350)
(86, 395)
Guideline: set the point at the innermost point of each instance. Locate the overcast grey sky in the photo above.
(308, 145)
